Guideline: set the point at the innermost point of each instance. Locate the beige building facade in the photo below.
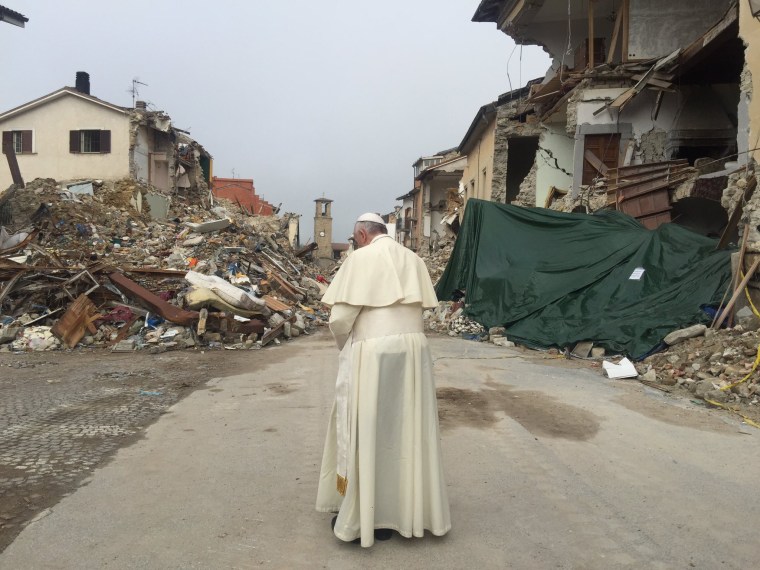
(477, 176)
(69, 136)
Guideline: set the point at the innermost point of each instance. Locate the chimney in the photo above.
(141, 105)
(83, 82)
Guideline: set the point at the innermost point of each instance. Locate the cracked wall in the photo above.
(555, 161)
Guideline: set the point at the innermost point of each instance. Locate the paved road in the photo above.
(548, 466)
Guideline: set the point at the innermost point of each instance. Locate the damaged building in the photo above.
(645, 108)
(71, 135)
(436, 180)
(500, 146)
(646, 112)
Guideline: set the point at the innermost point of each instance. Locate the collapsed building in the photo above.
(645, 108)
(645, 113)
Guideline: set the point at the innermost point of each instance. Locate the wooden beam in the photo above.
(654, 82)
(594, 161)
(739, 267)
(647, 167)
(646, 186)
(615, 34)
(10, 285)
(10, 154)
(657, 105)
(729, 307)
(625, 9)
(617, 180)
(591, 34)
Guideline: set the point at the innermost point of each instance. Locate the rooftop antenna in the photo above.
(134, 91)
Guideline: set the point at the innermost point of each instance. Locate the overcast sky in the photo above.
(335, 98)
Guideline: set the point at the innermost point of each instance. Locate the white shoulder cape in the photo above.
(380, 274)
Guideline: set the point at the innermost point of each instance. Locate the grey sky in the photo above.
(307, 98)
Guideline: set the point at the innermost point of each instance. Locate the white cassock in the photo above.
(382, 466)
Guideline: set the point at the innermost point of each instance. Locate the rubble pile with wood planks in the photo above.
(87, 265)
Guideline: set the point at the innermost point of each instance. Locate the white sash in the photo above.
(343, 392)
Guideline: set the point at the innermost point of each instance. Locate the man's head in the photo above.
(367, 227)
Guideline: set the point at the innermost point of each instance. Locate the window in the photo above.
(20, 141)
(90, 141)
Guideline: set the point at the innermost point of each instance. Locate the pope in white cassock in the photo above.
(381, 467)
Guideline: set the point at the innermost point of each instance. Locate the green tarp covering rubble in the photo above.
(554, 279)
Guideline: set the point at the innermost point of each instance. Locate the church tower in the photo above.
(323, 228)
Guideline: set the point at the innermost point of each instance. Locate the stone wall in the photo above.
(500, 149)
(652, 145)
(507, 127)
(527, 195)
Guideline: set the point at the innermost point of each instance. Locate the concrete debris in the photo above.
(718, 365)
(683, 334)
(598, 352)
(39, 338)
(90, 251)
(210, 226)
(124, 346)
(448, 318)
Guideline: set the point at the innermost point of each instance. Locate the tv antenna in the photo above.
(134, 91)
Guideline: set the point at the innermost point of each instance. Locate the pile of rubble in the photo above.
(448, 318)
(437, 257)
(717, 366)
(91, 264)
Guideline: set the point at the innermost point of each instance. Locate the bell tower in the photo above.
(323, 228)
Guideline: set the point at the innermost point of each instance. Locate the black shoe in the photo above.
(383, 534)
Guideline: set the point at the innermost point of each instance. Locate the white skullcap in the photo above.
(370, 217)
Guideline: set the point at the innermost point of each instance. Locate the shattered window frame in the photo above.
(90, 142)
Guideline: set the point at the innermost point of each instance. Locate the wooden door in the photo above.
(606, 148)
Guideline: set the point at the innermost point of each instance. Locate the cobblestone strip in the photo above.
(53, 433)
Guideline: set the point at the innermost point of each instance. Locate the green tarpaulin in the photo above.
(554, 279)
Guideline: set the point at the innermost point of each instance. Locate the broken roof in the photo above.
(448, 166)
(483, 118)
(712, 53)
(488, 112)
